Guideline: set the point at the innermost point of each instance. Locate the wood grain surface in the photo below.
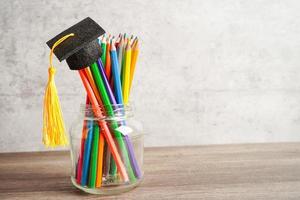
(227, 172)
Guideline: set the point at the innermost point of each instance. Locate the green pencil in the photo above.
(125, 40)
(103, 47)
(94, 157)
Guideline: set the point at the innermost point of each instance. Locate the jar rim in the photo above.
(130, 135)
(106, 112)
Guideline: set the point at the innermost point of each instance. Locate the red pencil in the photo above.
(108, 61)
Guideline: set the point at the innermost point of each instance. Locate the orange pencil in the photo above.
(100, 160)
(93, 85)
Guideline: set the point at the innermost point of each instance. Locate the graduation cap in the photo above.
(78, 45)
(82, 49)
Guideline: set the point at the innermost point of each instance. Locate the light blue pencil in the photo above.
(116, 75)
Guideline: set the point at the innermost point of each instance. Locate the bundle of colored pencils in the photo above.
(104, 150)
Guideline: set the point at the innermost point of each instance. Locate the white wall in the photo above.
(209, 71)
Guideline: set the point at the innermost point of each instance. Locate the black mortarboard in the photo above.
(82, 49)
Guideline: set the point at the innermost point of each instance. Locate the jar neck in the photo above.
(106, 112)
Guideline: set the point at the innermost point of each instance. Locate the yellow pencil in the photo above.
(126, 80)
(134, 55)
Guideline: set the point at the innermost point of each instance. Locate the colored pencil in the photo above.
(100, 149)
(107, 158)
(83, 138)
(108, 62)
(111, 97)
(126, 73)
(133, 42)
(119, 99)
(103, 47)
(111, 81)
(116, 75)
(94, 157)
(93, 85)
(100, 160)
(111, 162)
(118, 41)
(114, 125)
(120, 53)
(87, 153)
(104, 127)
(107, 87)
(135, 53)
(103, 87)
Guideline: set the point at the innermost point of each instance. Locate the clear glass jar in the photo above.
(106, 151)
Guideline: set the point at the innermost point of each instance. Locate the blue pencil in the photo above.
(116, 75)
(87, 154)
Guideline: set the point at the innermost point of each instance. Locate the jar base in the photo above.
(107, 190)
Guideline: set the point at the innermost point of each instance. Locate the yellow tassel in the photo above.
(54, 133)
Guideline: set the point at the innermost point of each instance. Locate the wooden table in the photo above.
(250, 171)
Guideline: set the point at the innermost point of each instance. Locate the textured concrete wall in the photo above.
(209, 71)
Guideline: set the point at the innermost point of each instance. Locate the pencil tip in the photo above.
(136, 45)
(113, 47)
(103, 39)
(128, 46)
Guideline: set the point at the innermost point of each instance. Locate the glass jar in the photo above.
(106, 151)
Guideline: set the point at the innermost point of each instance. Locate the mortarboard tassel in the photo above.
(54, 133)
